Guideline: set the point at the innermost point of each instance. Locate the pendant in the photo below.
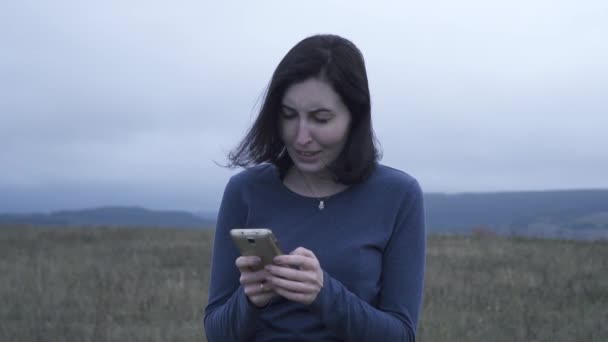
(321, 205)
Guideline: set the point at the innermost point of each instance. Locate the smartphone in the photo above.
(256, 241)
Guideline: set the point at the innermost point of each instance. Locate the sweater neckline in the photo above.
(285, 189)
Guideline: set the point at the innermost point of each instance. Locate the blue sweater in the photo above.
(370, 241)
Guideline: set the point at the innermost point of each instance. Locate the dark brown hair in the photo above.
(339, 62)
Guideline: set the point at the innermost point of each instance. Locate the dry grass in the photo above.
(500, 289)
(151, 285)
(103, 284)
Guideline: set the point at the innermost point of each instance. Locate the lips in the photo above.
(307, 153)
(307, 156)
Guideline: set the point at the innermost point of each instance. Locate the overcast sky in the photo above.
(131, 102)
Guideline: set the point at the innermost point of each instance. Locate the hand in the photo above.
(253, 279)
(297, 276)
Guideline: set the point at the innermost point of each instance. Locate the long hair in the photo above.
(339, 62)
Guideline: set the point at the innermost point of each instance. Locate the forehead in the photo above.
(312, 93)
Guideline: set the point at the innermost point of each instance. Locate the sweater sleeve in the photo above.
(229, 315)
(395, 317)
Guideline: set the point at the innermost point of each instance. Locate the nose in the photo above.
(303, 136)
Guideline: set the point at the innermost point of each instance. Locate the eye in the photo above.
(288, 113)
(321, 116)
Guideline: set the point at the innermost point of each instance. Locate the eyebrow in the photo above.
(314, 111)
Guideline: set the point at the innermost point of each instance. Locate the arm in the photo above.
(229, 316)
(396, 316)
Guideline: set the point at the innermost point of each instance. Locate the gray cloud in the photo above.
(468, 96)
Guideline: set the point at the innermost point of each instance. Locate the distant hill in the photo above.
(571, 213)
(112, 216)
(579, 214)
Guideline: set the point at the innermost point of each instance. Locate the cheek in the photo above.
(286, 131)
(334, 136)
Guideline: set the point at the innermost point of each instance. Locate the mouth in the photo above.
(307, 153)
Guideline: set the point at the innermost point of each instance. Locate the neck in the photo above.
(313, 185)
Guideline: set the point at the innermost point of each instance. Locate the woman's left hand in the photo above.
(297, 276)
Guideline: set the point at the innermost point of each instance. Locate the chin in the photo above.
(316, 167)
(308, 168)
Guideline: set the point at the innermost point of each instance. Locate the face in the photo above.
(314, 124)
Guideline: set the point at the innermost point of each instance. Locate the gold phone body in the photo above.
(258, 242)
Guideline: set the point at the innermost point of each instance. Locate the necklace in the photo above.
(321, 199)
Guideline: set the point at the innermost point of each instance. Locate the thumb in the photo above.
(304, 252)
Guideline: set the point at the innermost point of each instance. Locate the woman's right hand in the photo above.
(253, 279)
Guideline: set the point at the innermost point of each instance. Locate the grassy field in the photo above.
(151, 285)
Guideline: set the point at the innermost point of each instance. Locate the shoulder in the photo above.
(248, 181)
(386, 177)
(255, 174)
(402, 190)
(393, 186)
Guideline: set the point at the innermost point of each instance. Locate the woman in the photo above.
(354, 228)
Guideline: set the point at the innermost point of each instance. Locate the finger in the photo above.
(296, 261)
(246, 263)
(294, 296)
(304, 252)
(263, 287)
(267, 287)
(255, 289)
(290, 273)
(292, 286)
(250, 277)
(262, 299)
